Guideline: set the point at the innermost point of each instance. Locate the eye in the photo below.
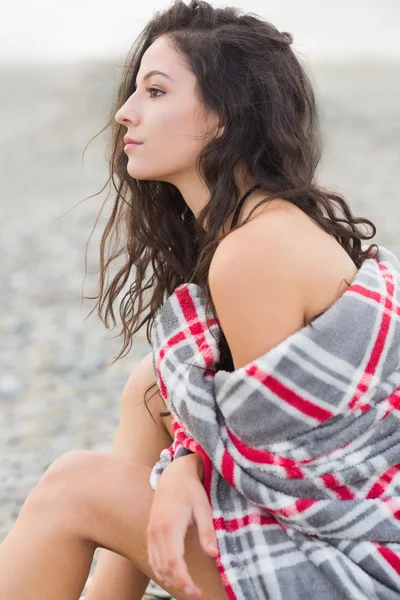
(153, 89)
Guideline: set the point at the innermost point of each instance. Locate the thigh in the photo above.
(141, 436)
(108, 502)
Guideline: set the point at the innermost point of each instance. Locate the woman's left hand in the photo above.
(180, 500)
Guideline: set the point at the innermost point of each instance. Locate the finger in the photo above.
(159, 542)
(154, 559)
(152, 565)
(204, 521)
(178, 569)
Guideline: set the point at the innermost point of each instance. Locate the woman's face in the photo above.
(168, 120)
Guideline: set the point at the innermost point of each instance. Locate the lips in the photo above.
(129, 140)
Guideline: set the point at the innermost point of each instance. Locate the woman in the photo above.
(226, 126)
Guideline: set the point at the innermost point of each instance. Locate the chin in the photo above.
(138, 174)
(146, 175)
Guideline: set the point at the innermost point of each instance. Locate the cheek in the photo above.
(179, 132)
(174, 139)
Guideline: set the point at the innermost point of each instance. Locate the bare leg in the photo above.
(87, 500)
(139, 439)
(38, 561)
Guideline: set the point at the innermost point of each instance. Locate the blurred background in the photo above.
(60, 63)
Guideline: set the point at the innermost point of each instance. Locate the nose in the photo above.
(126, 117)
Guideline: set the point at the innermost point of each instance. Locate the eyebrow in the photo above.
(155, 72)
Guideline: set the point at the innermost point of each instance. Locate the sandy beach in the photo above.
(56, 393)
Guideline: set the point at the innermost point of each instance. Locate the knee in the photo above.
(74, 462)
(61, 482)
(75, 493)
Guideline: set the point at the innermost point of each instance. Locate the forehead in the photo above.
(162, 55)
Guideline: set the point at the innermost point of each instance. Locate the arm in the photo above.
(180, 500)
(192, 464)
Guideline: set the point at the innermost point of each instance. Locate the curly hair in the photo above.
(248, 73)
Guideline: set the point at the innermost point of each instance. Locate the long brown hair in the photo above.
(247, 72)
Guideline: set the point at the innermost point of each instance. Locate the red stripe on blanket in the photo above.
(293, 467)
(394, 505)
(238, 523)
(179, 337)
(391, 557)
(331, 482)
(392, 402)
(224, 578)
(384, 480)
(298, 507)
(267, 458)
(289, 396)
(208, 468)
(228, 468)
(356, 401)
(251, 520)
(196, 327)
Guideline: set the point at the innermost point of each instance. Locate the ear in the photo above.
(220, 131)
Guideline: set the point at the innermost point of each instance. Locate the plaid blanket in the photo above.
(301, 447)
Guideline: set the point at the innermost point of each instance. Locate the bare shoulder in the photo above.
(275, 240)
(278, 222)
(322, 265)
(330, 270)
(257, 287)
